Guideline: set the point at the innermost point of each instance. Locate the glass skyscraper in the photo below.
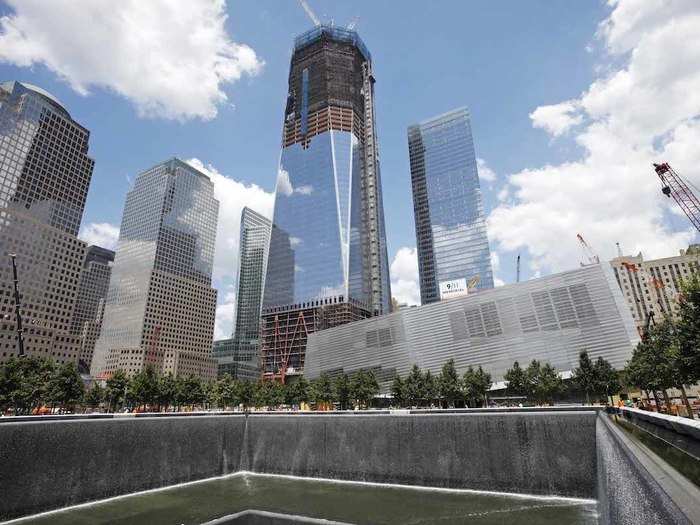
(45, 173)
(328, 261)
(240, 355)
(160, 306)
(452, 243)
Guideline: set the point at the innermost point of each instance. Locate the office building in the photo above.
(244, 366)
(652, 287)
(328, 262)
(451, 239)
(89, 302)
(160, 306)
(244, 347)
(45, 173)
(551, 319)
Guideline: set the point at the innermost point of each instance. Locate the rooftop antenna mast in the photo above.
(517, 270)
(310, 12)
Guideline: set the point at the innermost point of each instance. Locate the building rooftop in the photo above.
(340, 34)
(10, 85)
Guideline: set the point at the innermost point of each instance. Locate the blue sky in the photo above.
(502, 59)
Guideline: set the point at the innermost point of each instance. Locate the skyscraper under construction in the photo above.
(328, 260)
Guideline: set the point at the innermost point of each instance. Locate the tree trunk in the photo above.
(686, 402)
(667, 400)
(588, 398)
(656, 399)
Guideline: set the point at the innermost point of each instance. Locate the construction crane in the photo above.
(587, 251)
(674, 186)
(310, 13)
(655, 283)
(517, 270)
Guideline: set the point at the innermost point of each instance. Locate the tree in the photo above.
(584, 377)
(449, 384)
(193, 390)
(364, 387)
(322, 390)
(414, 386)
(226, 392)
(688, 327)
(24, 383)
(475, 385)
(543, 382)
(297, 392)
(398, 391)
(342, 391)
(246, 392)
(430, 384)
(516, 378)
(607, 379)
(94, 397)
(167, 391)
(142, 388)
(116, 390)
(65, 386)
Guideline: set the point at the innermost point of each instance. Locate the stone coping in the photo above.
(682, 425)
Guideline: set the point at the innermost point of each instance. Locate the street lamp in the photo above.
(20, 337)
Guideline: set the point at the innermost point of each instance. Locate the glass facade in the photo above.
(160, 306)
(45, 173)
(452, 241)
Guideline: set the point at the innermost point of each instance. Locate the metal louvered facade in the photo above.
(551, 319)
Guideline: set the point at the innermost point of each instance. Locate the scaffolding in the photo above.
(284, 335)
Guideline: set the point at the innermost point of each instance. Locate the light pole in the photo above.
(20, 337)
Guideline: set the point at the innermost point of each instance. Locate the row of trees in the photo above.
(669, 354)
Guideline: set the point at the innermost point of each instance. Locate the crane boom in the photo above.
(587, 251)
(310, 12)
(675, 186)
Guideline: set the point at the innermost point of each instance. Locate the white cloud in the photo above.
(170, 59)
(100, 234)
(556, 119)
(485, 172)
(646, 109)
(306, 189)
(225, 314)
(232, 196)
(404, 276)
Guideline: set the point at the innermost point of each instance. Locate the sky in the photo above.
(570, 103)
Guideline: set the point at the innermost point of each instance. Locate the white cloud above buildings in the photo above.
(644, 109)
(485, 172)
(404, 276)
(101, 234)
(225, 313)
(170, 59)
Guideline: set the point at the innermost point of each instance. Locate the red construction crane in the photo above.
(587, 251)
(674, 186)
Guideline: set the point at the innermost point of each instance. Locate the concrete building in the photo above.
(551, 319)
(451, 238)
(328, 261)
(89, 303)
(244, 347)
(160, 306)
(45, 173)
(652, 287)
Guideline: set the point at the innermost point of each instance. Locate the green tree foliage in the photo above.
(116, 390)
(398, 391)
(543, 382)
(414, 387)
(24, 383)
(449, 384)
(688, 330)
(342, 391)
(475, 385)
(226, 392)
(516, 378)
(607, 379)
(142, 388)
(431, 387)
(584, 376)
(322, 389)
(94, 397)
(297, 392)
(364, 387)
(65, 387)
(167, 391)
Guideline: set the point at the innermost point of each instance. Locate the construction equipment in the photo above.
(655, 283)
(310, 12)
(587, 251)
(517, 270)
(20, 335)
(674, 186)
(473, 282)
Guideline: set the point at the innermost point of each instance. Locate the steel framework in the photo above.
(675, 187)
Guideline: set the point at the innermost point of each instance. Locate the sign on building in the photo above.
(453, 288)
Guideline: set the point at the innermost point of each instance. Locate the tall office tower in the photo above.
(45, 173)
(89, 302)
(160, 306)
(453, 247)
(328, 262)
